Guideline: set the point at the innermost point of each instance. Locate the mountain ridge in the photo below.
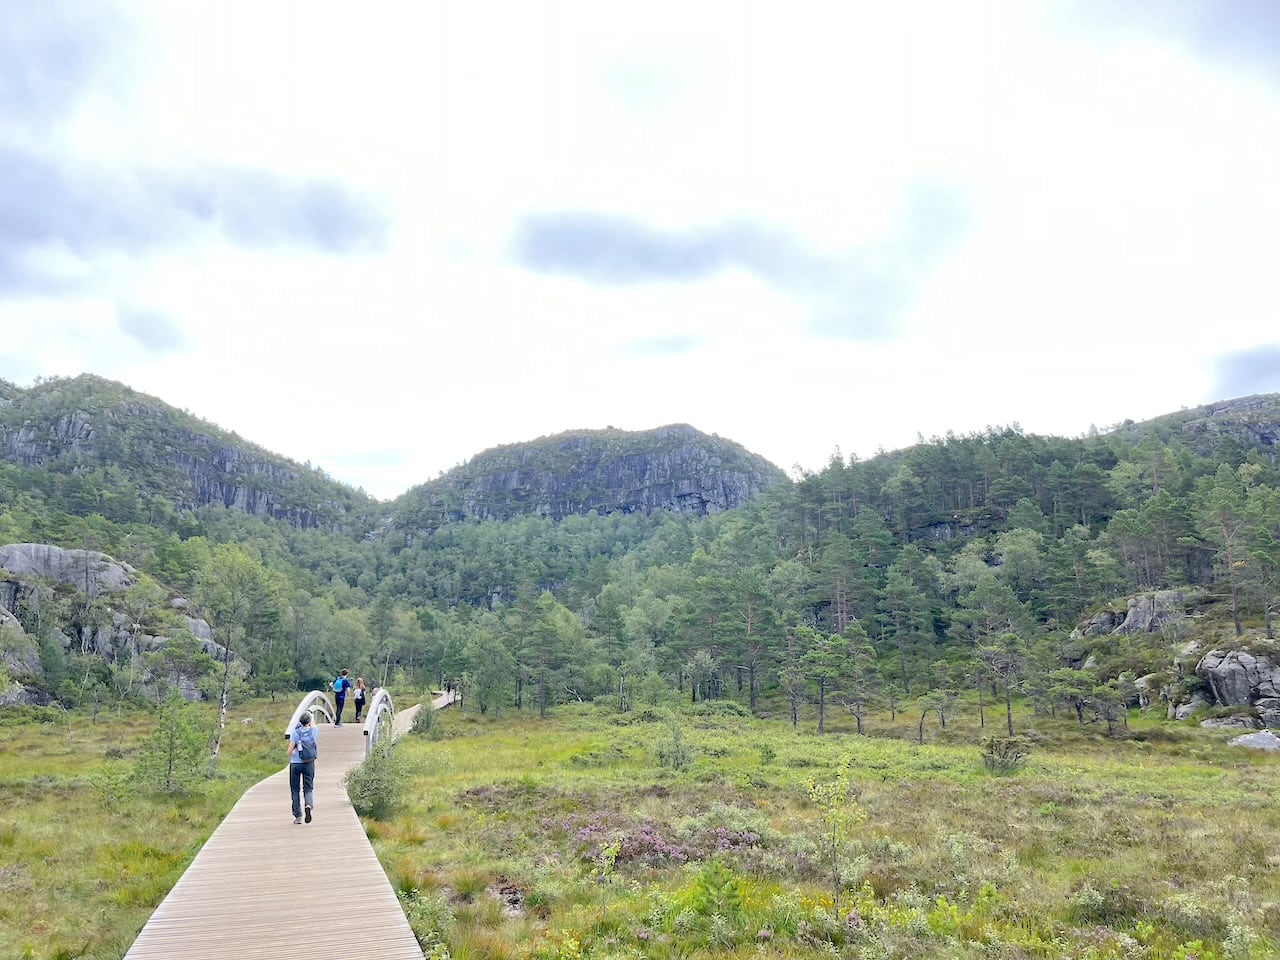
(77, 424)
(89, 422)
(675, 468)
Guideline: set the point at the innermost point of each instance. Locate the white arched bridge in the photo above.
(262, 887)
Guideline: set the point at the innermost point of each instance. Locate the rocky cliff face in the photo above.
(95, 575)
(167, 452)
(674, 468)
(89, 571)
(1252, 422)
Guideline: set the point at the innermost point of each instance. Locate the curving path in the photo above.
(263, 888)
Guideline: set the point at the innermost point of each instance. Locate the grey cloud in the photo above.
(57, 208)
(1247, 372)
(49, 53)
(154, 330)
(87, 210)
(857, 296)
(615, 250)
(256, 209)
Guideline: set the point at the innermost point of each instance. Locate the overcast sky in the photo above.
(384, 237)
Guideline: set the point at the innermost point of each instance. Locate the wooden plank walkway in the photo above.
(263, 888)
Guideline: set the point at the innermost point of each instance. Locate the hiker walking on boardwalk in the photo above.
(302, 767)
(340, 687)
(358, 695)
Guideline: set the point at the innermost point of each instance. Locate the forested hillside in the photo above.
(674, 468)
(106, 449)
(999, 561)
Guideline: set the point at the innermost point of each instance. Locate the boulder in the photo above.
(1102, 623)
(14, 694)
(1231, 723)
(1239, 677)
(1151, 612)
(1183, 710)
(1148, 689)
(1269, 711)
(200, 629)
(1262, 740)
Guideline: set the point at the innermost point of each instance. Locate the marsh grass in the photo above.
(86, 855)
(1133, 848)
(568, 838)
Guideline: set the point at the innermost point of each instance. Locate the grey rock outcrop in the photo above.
(1144, 613)
(674, 468)
(1241, 677)
(18, 653)
(1253, 422)
(1188, 707)
(1262, 740)
(1231, 723)
(1268, 711)
(116, 639)
(89, 571)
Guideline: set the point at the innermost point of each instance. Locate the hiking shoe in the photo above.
(308, 814)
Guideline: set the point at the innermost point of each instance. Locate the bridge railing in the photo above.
(316, 702)
(377, 724)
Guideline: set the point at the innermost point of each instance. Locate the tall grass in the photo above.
(572, 838)
(1151, 847)
(85, 853)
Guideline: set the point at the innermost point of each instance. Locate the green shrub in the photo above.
(26, 713)
(1005, 754)
(429, 917)
(719, 708)
(375, 786)
(426, 724)
(674, 754)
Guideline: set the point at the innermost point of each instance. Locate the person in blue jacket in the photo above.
(340, 687)
(303, 750)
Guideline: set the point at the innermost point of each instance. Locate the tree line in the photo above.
(962, 563)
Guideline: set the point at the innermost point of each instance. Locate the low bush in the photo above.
(375, 786)
(674, 754)
(1005, 754)
(426, 724)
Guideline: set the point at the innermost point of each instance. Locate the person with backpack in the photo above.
(340, 687)
(303, 750)
(359, 697)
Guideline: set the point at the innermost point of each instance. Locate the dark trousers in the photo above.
(302, 777)
(340, 699)
(359, 708)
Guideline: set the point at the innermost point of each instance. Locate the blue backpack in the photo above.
(340, 684)
(307, 745)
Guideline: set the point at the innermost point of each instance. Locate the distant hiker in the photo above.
(303, 749)
(359, 697)
(340, 687)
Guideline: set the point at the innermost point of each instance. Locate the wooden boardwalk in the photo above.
(263, 888)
